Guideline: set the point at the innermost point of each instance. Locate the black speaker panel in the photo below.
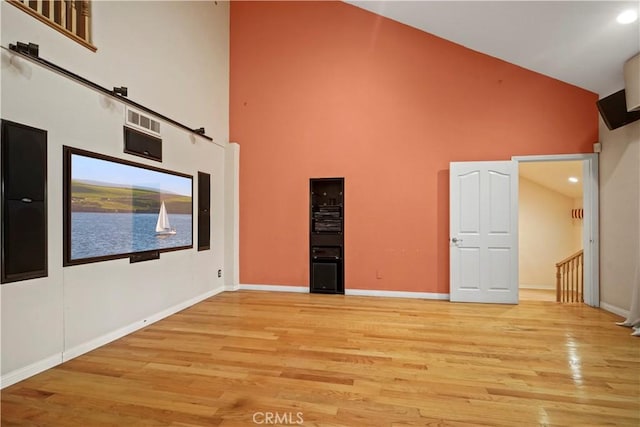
(25, 243)
(24, 161)
(325, 276)
(204, 211)
(204, 231)
(613, 110)
(142, 144)
(24, 202)
(144, 256)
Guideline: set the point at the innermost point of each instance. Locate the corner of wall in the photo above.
(619, 214)
(232, 216)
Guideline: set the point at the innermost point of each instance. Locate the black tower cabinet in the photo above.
(326, 235)
(24, 202)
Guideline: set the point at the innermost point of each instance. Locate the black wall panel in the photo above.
(24, 162)
(141, 144)
(25, 238)
(204, 211)
(24, 202)
(325, 276)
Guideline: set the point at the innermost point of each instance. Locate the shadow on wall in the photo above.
(443, 232)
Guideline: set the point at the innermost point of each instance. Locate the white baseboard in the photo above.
(42, 365)
(119, 333)
(615, 310)
(30, 370)
(360, 292)
(538, 286)
(396, 294)
(274, 288)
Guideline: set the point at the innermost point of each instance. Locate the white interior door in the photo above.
(483, 213)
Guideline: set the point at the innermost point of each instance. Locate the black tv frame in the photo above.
(134, 256)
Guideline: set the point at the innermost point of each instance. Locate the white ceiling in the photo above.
(578, 42)
(555, 176)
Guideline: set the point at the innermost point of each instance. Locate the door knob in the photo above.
(456, 240)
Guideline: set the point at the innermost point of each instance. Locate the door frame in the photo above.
(591, 220)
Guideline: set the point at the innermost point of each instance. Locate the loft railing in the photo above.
(570, 278)
(70, 17)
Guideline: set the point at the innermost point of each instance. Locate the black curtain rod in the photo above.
(30, 51)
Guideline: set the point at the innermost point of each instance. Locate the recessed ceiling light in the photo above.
(627, 17)
(573, 179)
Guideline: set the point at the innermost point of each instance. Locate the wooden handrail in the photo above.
(570, 278)
(69, 17)
(569, 258)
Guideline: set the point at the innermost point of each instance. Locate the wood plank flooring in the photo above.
(259, 358)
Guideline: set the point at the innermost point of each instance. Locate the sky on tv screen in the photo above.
(91, 169)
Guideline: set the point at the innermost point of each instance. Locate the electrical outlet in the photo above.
(219, 273)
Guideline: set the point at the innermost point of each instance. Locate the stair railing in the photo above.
(570, 278)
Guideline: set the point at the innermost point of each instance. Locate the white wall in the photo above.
(547, 233)
(619, 214)
(174, 58)
(576, 225)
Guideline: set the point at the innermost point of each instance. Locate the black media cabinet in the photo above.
(326, 235)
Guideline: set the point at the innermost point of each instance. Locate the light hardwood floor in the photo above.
(239, 358)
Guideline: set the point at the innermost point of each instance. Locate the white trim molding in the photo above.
(44, 364)
(544, 286)
(615, 310)
(275, 288)
(231, 288)
(354, 292)
(119, 333)
(554, 157)
(30, 370)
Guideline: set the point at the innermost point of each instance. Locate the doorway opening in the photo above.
(558, 228)
(550, 230)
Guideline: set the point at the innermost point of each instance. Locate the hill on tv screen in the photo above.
(114, 208)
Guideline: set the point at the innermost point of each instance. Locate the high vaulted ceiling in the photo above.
(578, 42)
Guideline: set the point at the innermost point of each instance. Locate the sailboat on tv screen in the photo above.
(163, 226)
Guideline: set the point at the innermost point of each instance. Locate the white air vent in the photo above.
(142, 121)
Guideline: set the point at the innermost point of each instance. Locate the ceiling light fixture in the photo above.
(573, 179)
(627, 17)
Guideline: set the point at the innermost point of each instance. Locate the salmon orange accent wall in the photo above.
(325, 89)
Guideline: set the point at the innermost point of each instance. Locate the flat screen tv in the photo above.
(114, 208)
